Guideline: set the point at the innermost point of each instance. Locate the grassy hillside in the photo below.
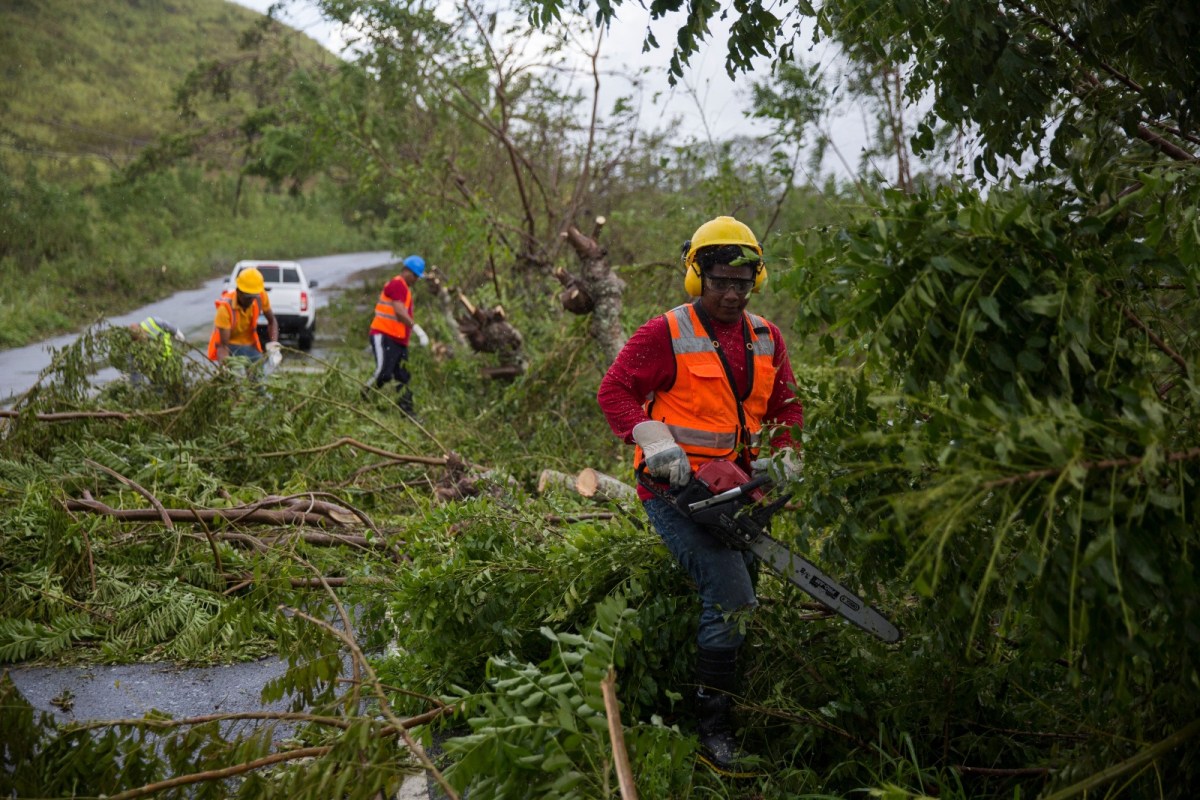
(84, 86)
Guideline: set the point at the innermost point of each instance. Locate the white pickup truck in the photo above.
(292, 299)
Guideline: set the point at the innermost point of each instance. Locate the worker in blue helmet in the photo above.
(391, 329)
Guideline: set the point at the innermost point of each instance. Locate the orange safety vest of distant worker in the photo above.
(385, 320)
(701, 407)
(243, 325)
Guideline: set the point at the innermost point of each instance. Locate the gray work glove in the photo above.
(783, 467)
(665, 459)
(420, 335)
(274, 354)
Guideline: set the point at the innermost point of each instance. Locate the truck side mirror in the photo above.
(312, 284)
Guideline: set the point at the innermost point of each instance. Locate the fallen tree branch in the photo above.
(335, 511)
(154, 501)
(253, 542)
(616, 735)
(308, 537)
(257, 516)
(346, 441)
(227, 772)
(358, 473)
(232, 716)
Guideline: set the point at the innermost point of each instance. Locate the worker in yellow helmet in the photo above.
(235, 325)
(708, 381)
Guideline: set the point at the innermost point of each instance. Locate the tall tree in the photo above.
(441, 102)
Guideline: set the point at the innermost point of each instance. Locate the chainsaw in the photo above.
(727, 503)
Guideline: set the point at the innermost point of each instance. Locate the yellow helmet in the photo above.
(721, 230)
(250, 281)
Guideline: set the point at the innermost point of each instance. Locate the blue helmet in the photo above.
(416, 264)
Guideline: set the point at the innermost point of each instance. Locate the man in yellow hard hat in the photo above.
(708, 381)
(235, 325)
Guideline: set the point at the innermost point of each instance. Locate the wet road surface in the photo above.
(130, 691)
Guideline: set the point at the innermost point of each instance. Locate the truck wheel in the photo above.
(305, 340)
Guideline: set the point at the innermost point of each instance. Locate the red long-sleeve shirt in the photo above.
(647, 364)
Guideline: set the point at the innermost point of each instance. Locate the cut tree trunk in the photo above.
(552, 479)
(599, 486)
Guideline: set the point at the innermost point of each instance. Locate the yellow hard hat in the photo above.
(720, 230)
(250, 281)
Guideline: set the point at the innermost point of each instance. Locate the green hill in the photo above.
(85, 86)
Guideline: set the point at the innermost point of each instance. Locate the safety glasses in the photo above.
(738, 286)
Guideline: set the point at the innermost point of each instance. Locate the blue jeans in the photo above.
(725, 577)
(245, 351)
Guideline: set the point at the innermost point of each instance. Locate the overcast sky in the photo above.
(707, 96)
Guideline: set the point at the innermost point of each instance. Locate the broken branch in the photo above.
(346, 441)
(259, 516)
(616, 735)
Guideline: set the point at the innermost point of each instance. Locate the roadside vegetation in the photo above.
(69, 258)
(1002, 427)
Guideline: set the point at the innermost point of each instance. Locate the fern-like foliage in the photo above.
(22, 639)
(542, 731)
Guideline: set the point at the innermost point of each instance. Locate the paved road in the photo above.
(191, 310)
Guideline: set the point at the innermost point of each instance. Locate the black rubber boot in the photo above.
(715, 729)
(716, 674)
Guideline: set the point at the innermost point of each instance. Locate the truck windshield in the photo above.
(278, 274)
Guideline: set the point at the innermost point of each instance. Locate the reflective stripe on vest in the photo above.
(150, 326)
(386, 320)
(701, 408)
(228, 298)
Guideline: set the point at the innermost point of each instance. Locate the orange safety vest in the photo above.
(701, 407)
(229, 298)
(385, 316)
